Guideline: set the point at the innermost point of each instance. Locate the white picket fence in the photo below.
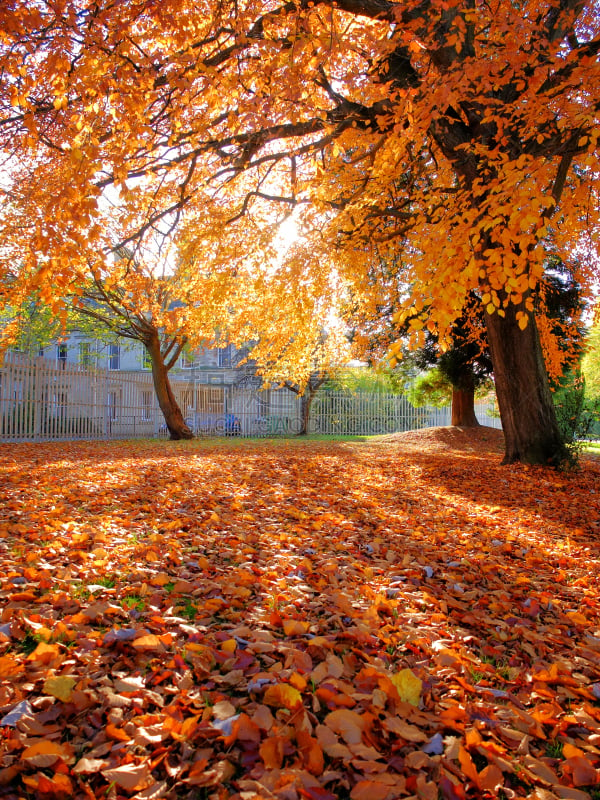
(41, 400)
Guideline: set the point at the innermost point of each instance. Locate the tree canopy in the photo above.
(455, 135)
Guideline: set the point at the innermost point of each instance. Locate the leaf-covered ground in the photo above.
(393, 618)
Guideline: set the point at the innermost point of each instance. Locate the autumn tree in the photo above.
(303, 363)
(307, 393)
(135, 304)
(466, 364)
(452, 135)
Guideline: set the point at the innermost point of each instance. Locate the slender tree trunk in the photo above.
(164, 394)
(527, 412)
(305, 403)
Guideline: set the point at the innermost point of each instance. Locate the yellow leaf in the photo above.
(408, 686)
(60, 687)
(523, 322)
(283, 696)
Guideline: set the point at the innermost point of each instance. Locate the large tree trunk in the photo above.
(178, 429)
(527, 412)
(463, 399)
(463, 408)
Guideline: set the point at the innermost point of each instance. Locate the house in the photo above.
(88, 388)
(218, 365)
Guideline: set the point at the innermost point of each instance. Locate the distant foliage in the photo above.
(431, 388)
(590, 365)
(368, 380)
(578, 416)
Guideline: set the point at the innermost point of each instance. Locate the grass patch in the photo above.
(133, 601)
(591, 447)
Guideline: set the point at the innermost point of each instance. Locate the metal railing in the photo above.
(42, 400)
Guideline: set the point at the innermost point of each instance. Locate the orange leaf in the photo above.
(132, 777)
(491, 779)
(298, 681)
(118, 734)
(44, 754)
(45, 653)
(294, 627)
(160, 579)
(467, 765)
(404, 729)
(58, 786)
(584, 774)
(148, 642)
(246, 730)
(347, 723)
(569, 750)
(271, 752)
(370, 790)
(9, 666)
(311, 752)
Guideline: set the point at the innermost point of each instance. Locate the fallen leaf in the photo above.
(347, 723)
(60, 687)
(45, 754)
(282, 695)
(408, 685)
(369, 790)
(131, 777)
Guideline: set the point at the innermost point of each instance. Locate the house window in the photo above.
(146, 405)
(114, 356)
(225, 356)
(85, 354)
(146, 360)
(61, 354)
(188, 360)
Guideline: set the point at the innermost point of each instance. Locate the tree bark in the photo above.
(178, 429)
(531, 431)
(315, 381)
(463, 397)
(463, 408)
(305, 403)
